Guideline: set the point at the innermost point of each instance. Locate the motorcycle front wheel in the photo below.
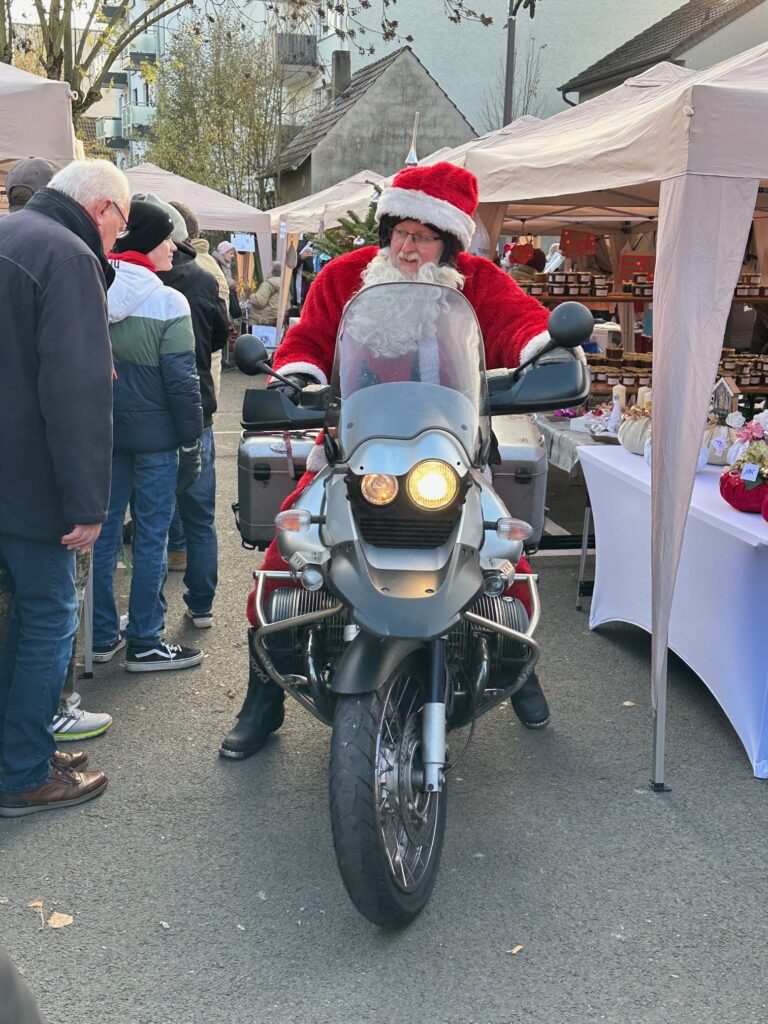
(388, 834)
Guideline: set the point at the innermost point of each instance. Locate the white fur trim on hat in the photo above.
(411, 204)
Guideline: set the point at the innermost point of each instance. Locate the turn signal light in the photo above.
(513, 529)
(294, 520)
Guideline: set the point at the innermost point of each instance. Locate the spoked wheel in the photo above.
(388, 834)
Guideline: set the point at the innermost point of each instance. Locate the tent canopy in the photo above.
(323, 209)
(35, 119)
(614, 150)
(693, 143)
(215, 211)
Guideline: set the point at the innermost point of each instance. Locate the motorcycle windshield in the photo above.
(410, 356)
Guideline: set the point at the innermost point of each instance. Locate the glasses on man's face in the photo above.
(122, 216)
(420, 240)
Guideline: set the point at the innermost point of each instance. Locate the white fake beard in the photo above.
(388, 332)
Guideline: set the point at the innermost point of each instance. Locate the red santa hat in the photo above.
(442, 195)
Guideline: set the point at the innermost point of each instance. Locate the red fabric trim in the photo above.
(138, 259)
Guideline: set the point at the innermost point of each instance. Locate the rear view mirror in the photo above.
(571, 324)
(251, 355)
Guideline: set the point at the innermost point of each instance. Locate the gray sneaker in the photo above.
(74, 724)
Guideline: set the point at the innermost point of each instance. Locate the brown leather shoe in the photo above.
(62, 788)
(78, 759)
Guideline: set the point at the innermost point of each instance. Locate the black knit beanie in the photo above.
(148, 226)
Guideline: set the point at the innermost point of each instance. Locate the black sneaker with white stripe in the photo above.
(163, 658)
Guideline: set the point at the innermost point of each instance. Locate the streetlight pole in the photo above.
(509, 81)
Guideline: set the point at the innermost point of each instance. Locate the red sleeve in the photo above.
(508, 317)
(309, 345)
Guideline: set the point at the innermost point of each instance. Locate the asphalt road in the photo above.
(206, 892)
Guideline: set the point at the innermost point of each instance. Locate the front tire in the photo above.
(388, 835)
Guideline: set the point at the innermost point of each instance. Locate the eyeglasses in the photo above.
(419, 240)
(122, 215)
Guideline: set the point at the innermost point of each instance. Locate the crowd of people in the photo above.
(114, 314)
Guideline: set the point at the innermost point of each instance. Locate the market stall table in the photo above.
(718, 617)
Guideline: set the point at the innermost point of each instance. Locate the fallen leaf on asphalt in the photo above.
(240, 927)
(230, 694)
(38, 906)
(4, 900)
(57, 920)
(261, 895)
(515, 949)
(164, 924)
(628, 704)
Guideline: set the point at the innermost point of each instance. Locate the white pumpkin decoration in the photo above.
(633, 433)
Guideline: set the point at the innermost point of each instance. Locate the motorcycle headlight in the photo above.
(432, 485)
(379, 488)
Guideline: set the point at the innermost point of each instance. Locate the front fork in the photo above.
(433, 720)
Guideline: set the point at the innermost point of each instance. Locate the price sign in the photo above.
(577, 243)
(243, 241)
(749, 472)
(636, 263)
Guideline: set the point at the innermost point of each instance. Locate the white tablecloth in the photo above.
(719, 623)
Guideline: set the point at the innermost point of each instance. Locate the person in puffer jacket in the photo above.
(158, 420)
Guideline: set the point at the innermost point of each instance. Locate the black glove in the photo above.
(190, 466)
(299, 379)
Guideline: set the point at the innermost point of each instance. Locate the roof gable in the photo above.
(302, 144)
(664, 40)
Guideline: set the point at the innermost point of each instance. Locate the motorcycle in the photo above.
(392, 622)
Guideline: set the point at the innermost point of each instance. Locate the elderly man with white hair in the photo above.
(56, 400)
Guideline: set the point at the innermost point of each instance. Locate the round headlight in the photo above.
(432, 485)
(379, 488)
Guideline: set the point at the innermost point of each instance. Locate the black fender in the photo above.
(370, 660)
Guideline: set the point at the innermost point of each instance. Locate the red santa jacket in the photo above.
(508, 318)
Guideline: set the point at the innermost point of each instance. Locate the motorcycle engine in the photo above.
(288, 645)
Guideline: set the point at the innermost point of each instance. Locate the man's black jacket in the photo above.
(55, 371)
(209, 317)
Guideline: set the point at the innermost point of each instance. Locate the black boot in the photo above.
(530, 704)
(262, 713)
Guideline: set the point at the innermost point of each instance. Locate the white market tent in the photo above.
(696, 150)
(215, 211)
(35, 119)
(322, 210)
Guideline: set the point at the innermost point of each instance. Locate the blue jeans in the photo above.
(151, 477)
(194, 529)
(34, 656)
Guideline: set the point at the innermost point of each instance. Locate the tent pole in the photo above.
(660, 727)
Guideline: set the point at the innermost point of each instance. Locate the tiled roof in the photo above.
(301, 146)
(665, 40)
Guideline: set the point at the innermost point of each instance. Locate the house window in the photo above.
(135, 95)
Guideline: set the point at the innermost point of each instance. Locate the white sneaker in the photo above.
(72, 701)
(199, 621)
(75, 724)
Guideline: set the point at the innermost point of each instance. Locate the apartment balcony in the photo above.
(116, 80)
(109, 10)
(141, 50)
(136, 118)
(109, 131)
(294, 51)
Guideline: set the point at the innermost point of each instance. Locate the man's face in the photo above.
(413, 244)
(111, 219)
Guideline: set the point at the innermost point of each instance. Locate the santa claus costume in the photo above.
(443, 198)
